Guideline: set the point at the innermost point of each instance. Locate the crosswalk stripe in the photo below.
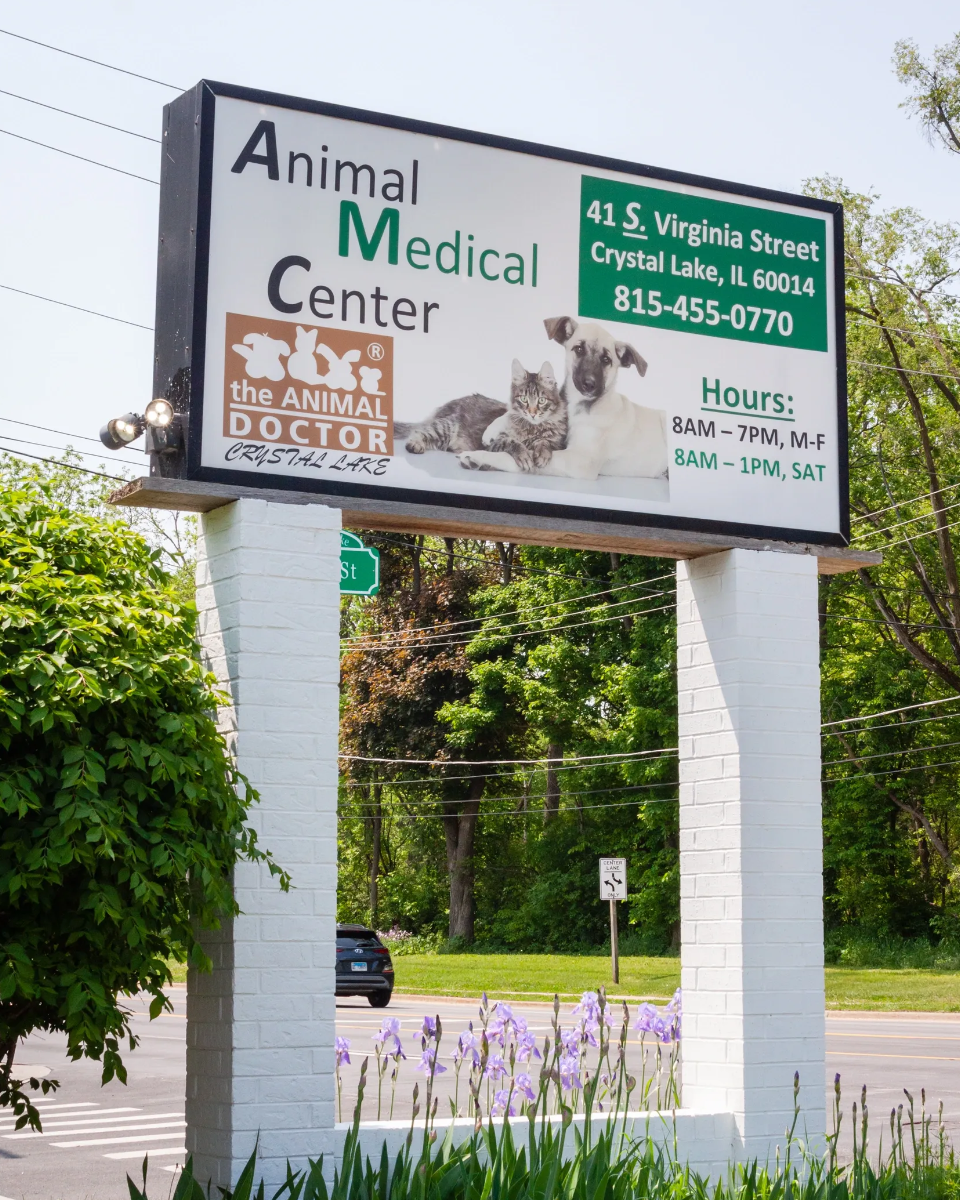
(88, 1118)
(140, 1153)
(107, 1125)
(148, 1137)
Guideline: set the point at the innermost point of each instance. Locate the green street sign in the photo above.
(359, 567)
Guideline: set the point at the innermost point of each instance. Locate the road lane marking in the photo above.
(140, 1153)
(901, 1037)
(866, 1054)
(108, 1122)
(148, 1137)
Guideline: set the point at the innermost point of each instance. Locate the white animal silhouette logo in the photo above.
(339, 376)
(263, 355)
(302, 364)
(370, 381)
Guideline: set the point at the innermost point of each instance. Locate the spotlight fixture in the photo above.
(121, 431)
(159, 414)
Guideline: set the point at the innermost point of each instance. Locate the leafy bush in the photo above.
(866, 950)
(121, 812)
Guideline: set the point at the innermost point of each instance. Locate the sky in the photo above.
(759, 93)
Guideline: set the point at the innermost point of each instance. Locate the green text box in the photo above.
(699, 265)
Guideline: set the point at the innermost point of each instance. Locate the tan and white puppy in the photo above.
(608, 434)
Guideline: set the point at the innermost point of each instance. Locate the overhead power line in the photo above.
(859, 362)
(833, 762)
(908, 521)
(66, 466)
(485, 800)
(432, 629)
(80, 117)
(62, 432)
(447, 645)
(431, 639)
(530, 812)
(914, 537)
(898, 329)
(6, 437)
(895, 771)
(500, 762)
(77, 308)
(888, 712)
(902, 503)
(69, 153)
(96, 62)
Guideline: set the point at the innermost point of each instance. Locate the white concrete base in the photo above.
(751, 871)
(260, 1029)
(705, 1141)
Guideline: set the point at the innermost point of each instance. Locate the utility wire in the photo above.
(96, 62)
(833, 762)
(895, 771)
(432, 639)
(500, 762)
(70, 154)
(859, 321)
(908, 521)
(901, 503)
(916, 536)
(627, 787)
(908, 287)
(80, 117)
(562, 765)
(530, 812)
(66, 466)
(892, 725)
(6, 437)
(431, 629)
(63, 304)
(859, 362)
(888, 712)
(47, 429)
(445, 645)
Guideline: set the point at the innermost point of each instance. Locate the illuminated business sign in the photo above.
(358, 305)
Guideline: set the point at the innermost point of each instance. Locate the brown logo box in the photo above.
(306, 385)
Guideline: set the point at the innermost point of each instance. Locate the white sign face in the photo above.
(613, 879)
(393, 311)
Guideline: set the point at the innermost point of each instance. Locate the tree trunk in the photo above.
(416, 550)
(506, 553)
(449, 543)
(460, 827)
(551, 799)
(375, 853)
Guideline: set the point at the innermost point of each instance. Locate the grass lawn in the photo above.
(538, 976)
(520, 976)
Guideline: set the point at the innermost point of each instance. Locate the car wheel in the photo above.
(379, 999)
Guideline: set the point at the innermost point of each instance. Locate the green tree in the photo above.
(935, 89)
(121, 813)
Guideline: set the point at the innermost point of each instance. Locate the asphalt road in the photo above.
(93, 1136)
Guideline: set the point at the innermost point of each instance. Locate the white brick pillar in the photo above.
(751, 871)
(260, 1029)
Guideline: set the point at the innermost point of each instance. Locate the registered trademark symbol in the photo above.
(375, 351)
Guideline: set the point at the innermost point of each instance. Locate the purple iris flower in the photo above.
(429, 1027)
(428, 1062)
(500, 1101)
(342, 1049)
(524, 1085)
(467, 1048)
(527, 1046)
(569, 1072)
(495, 1067)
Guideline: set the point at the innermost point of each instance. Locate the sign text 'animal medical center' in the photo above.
(386, 309)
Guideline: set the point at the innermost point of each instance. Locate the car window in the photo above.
(358, 942)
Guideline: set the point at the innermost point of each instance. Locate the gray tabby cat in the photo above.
(534, 425)
(456, 426)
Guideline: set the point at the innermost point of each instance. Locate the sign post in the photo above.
(613, 887)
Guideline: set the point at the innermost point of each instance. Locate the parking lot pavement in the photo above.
(93, 1136)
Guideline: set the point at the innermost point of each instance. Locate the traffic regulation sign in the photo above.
(613, 879)
(359, 566)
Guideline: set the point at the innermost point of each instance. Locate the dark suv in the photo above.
(363, 965)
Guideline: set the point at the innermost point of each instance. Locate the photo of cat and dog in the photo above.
(582, 431)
